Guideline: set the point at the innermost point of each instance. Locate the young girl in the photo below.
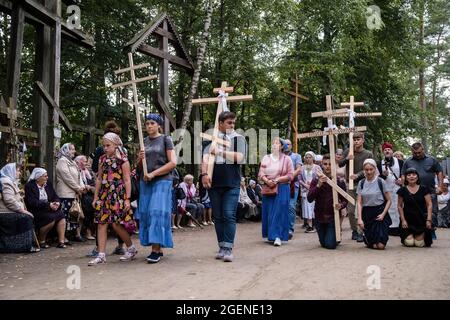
(112, 197)
(155, 191)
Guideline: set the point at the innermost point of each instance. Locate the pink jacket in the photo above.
(274, 169)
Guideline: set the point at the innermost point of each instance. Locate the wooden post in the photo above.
(164, 76)
(224, 87)
(337, 218)
(135, 103)
(294, 121)
(351, 114)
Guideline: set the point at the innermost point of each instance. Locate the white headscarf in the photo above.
(312, 154)
(37, 173)
(372, 163)
(9, 171)
(65, 151)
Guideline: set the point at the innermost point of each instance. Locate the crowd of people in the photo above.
(394, 196)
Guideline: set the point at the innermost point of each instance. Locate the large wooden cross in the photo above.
(350, 113)
(221, 101)
(135, 103)
(294, 121)
(330, 131)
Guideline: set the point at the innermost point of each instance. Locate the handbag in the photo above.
(75, 211)
(179, 193)
(271, 191)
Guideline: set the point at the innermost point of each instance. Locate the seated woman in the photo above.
(246, 208)
(44, 204)
(16, 223)
(189, 203)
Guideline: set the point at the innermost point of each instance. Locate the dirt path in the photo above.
(297, 270)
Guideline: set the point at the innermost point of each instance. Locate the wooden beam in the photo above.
(19, 132)
(139, 66)
(159, 54)
(296, 81)
(164, 109)
(124, 84)
(163, 33)
(331, 132)
(11, 113)
(348, 104)
(218, 140)
(226, 89)
(216, 100)
(49, 100)
(358, 115)
(298, 95)
(15, 53)
(329, 113)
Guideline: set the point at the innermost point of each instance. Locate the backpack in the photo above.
(380, 185)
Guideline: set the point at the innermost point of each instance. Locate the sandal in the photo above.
(61, 245)
(44, 245)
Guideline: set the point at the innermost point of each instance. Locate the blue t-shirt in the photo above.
(296, 161)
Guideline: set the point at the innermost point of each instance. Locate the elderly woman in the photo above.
(306, 176)
(69, 186)
(45, 205)
(88, 178)
(189, 203)
(444, 206)
(276, 171)
(373, 204)
(246, 205)
(16, 222)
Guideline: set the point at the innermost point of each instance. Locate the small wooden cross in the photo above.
(294, 122)
(351, 115)
(135, 103)
(221, 101)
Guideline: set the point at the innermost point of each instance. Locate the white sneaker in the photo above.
(220, 254)
(228, 255)
(211, 223)
(277, 242)
(129, 255)
(204, 223)
(191, 225)
(97, 260)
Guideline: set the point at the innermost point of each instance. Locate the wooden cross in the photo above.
(350, 113)
(330, 131)
(13, 114)
(294, 121)
(135, 101)
(221, 101)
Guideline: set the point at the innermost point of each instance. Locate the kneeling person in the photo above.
(321, 192)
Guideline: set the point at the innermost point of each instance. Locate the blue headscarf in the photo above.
(155, 117)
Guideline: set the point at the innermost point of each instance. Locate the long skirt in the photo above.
(275, 214)
(16, 232)
(375, 231)
(154, 213)
(307, 208)
(66, 204)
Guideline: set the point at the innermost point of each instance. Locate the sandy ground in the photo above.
(299, 269)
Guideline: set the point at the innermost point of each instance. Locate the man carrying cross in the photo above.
(360, 155)
(225, 183)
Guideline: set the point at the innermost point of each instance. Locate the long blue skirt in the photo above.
(375, 231)
(154, 213)
(275, 214)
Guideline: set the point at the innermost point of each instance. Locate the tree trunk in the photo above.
(422, 101)
(198, 67)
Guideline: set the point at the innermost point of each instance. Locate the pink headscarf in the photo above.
(114, 138)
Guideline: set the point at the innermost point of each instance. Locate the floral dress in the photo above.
(110, 206)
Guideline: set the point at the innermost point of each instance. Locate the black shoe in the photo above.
(154, 257)
(359, 238)
(78, 239)
(354, 235)
(291, 235)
